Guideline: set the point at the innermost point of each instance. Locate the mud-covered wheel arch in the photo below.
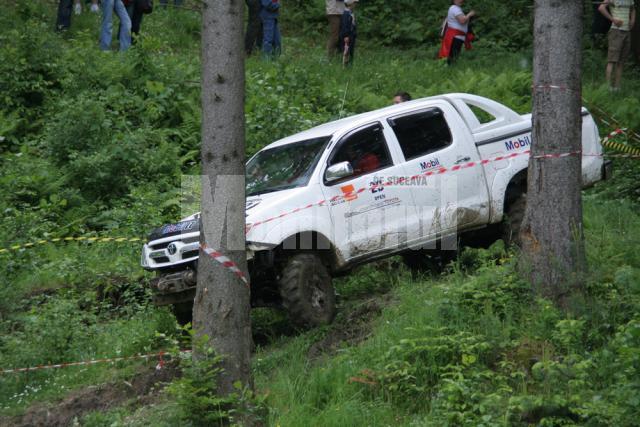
(515, 203)
(307, 291)
(310, 241)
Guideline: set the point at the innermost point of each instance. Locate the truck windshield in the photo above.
(284, 167)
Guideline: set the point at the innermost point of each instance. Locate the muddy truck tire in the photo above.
(307, 292)
(514, 214)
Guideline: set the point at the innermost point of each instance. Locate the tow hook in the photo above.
(174, 282)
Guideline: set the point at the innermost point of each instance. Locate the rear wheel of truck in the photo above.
(514, 214)
(306, 290)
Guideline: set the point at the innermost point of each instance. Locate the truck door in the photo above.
(368, 216)
(432, 139)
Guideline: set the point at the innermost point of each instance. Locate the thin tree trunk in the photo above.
(551, 233)
(221, 306)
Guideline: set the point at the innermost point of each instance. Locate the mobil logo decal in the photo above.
(514, 144)
(429, 164)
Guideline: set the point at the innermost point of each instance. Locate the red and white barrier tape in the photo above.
(557, 156)
(443, 170)
(159, 355)
(619, 131)
(552, 87)
(614, 121)
(226, 262)
(438, 171)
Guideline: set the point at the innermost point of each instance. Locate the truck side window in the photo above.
(365, 149)
(421, 133)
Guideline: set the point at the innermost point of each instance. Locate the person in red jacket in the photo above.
(456, 32)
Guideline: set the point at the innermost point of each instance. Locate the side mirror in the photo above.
(338, 171)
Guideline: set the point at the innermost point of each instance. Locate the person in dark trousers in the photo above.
(135, 13)
(253, 36)
(348, 32)
(65, 7)
(271, 44)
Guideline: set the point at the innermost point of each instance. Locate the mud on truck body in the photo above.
(359, 166)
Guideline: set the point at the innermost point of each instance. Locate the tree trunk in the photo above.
(551, 233)
(222, 302)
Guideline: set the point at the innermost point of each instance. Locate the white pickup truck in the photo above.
(398, 180)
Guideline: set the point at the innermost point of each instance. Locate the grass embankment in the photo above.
(471, 346)
(474, 347)
(96, 144)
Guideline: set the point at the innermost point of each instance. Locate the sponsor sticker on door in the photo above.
(349, 192)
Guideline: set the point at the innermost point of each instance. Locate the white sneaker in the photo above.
(94, 8)
(77, 9)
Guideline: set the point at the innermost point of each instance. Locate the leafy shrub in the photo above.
(196, 396)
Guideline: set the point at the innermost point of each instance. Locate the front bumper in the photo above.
(170, 251)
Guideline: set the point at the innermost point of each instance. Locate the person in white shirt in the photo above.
(457, 32)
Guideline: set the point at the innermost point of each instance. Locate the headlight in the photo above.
(143, 256)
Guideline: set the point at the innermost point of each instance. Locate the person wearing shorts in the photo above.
(622, 15)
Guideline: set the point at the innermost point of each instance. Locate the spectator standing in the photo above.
(178, 3)
(456, 32)
(348, 32)
(269, 13)
(334, 9)
(108, 7)
(252, 37)
(135, 14)
(66, 7)
(63, 22)
(622, 15)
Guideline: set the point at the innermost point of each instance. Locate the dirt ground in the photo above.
(353, 328)
(353, 325)
(143, 389)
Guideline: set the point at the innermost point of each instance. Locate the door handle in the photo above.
(462, 159)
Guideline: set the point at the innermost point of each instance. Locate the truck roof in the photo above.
(328, 129)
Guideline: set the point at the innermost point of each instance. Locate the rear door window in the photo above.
(421, 133)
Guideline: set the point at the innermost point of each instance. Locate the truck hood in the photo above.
(264, 206)
(258, 208)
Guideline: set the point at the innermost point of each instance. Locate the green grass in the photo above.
(490, 326)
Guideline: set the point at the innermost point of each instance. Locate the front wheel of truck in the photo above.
(306, 290)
